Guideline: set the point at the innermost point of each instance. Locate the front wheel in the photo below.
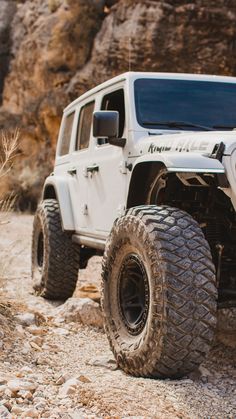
(159, 292)
(55, 258)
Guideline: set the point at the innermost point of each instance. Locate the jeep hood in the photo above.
(204, 143)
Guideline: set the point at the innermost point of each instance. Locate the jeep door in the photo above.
(80, 160)
(107, 176)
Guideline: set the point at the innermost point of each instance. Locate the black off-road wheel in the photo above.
(55, 258)
(159, 292)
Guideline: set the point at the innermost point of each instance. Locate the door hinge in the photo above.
(124, 165)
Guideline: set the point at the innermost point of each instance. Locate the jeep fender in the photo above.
(57, 187)
(184, 162)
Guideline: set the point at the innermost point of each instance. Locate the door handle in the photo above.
(72, 171)
(93, 168)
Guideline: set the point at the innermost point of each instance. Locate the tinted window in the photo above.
(66, 134)
(211, 104)
(84, 126)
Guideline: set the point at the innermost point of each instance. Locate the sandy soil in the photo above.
(81, 353)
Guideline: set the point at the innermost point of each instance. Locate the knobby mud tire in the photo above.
(179, 328)
(55, 258)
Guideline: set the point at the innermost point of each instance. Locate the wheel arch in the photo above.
(57, 188)
(143, 175)
(178, 165)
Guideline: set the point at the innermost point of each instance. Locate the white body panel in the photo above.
(61, 187)
(92, 201)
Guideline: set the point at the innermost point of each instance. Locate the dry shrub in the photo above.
(25, 177)
(27, 183)
(8, 151)
(6, 206)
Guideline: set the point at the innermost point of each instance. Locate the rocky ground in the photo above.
(56, 362)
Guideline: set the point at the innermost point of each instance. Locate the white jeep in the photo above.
(145, 174)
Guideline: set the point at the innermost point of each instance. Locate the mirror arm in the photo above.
(120, 142)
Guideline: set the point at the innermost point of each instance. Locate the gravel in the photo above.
(51, 368)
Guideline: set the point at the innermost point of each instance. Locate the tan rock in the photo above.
(82, 310)
(38, 340)
(26, 319)
(16, 410)
(30, 413)
(68, 388)
(9, 393)
(59, 381)
(46, 414)
(35, 346)
(4, 378)
(25, 370)
(36, 331)
(25, 394)
(17, 385)
(26, 348)
(42, 359)
(7, 403)
(84, 379)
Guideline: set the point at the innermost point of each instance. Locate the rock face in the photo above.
(60, 48)
(179, 36)
(7, 10)
(51, 40)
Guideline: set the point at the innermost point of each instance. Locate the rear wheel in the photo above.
(159, 292)
(55, 258)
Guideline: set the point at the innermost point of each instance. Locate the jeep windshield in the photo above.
(185, 104)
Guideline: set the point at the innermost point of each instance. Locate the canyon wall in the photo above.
(51, 51)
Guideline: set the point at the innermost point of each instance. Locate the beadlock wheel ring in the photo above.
(40, 250)
(133, 294)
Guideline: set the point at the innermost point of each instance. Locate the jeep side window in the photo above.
(66, 134)
(84, 126)
(114, 102)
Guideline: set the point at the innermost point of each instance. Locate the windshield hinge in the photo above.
(218, 151)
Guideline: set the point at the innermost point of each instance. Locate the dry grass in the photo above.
(6, 207)
(8, 151)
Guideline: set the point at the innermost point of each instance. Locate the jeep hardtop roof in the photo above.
(133, 75)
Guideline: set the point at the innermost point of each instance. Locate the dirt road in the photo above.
(59, 370)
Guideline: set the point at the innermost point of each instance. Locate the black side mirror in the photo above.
(106, 125)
